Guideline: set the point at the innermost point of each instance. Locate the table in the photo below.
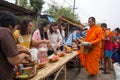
(51, 68)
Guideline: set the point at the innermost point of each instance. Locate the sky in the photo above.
(105, 11)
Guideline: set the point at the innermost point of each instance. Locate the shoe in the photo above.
(105, 72)
(101, 68)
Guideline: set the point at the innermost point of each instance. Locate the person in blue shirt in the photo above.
(73, 37)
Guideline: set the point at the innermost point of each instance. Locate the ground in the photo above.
(83, 75)
(74, 74)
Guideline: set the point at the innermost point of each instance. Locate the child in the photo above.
(115, 51)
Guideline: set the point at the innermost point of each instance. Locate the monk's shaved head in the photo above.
(91, 21)
(92, 18)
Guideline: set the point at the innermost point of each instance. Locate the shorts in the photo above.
(108, 53)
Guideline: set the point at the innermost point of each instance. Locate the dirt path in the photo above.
(83, 76)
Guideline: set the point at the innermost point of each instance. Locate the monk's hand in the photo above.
(89, 44)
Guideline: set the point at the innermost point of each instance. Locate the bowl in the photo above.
(85, 43)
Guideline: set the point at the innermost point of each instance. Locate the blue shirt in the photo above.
(70, 39)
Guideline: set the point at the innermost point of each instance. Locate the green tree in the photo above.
(22, 3)
(57, 11)
(37, 4)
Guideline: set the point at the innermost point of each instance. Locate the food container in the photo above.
(41, 63)
(61, 53)
(53, 58)
(85, 43)
(26, 71)
(34, 52)
(86, 49)
(68, 49)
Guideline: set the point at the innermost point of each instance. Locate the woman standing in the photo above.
(54, 36)
(23, 34)
(40, 38)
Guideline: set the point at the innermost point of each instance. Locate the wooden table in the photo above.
(51, 68)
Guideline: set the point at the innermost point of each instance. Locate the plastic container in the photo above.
(117, 71)
(34, 52)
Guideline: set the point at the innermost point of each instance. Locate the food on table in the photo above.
(53, 58)
(68, 49)
(25, 70)
(28, 71)
(23, 76)
(62, 53)
(17, 74)
(41, 65)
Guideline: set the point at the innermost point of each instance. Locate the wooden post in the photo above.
(68, 28)
(65, 72)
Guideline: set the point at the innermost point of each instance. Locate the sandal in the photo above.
(105, 72)
(101, 68)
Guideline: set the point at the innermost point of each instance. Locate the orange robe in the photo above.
(91, 60)
(102, 45)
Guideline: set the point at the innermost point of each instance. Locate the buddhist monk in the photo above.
(91, 60)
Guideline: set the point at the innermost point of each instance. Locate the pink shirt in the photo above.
(37, 37)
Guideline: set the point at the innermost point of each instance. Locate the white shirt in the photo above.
(54, 38)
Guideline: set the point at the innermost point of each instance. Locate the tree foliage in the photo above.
(22, 3)
(57, 11)
(33, 5)
(37, 4)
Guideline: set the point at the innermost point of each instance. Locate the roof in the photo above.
(17, 10)
(47, 17)
(68, 20)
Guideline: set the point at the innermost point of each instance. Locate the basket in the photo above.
(27, 71)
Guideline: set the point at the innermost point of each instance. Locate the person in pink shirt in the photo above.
(40, 39)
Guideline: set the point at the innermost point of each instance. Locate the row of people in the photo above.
(110, 46)
(16, 39)
(14, 32)
(105, 43)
